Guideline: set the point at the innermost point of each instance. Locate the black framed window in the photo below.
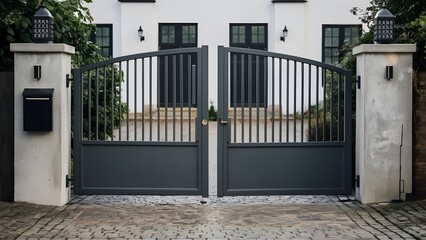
(103, 37)
(334, 37)
(177, 35)
(248, 35)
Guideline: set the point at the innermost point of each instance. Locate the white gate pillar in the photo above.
(42, 158)
(384, 121)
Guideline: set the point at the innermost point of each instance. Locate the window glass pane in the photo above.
(164, 30)
(242, 38)
(335, 32)
(105, 52)
(241, 29)
(254, 30)
(327, 52)
(106, 31)
(106, 41)
(355, 31)
(335, 42)
(185, 39)
(262, 30)
(165, 38)
(192, 30)
(327, 32)
(261, 38)
(254, 38)
(234, 38)
(327, 42)
(185, 30)
(172, 39)
(192, 39)
(171, 30)
(234, 30)
(98, 31)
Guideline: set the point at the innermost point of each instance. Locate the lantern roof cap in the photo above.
(384, 13)
(43, 12)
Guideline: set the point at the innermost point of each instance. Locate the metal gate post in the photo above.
(77, 131)
(204, 115)
(221, 112)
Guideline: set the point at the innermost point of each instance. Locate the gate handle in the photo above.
(223, 121)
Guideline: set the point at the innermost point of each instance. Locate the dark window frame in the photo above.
(178, 36)
(248, 34)
(93, 39)
(341, 37)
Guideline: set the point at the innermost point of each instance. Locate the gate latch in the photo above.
(223, 121)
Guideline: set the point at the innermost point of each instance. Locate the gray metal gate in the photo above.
(125, 142)
(296, 139)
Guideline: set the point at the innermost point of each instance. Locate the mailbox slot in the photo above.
(38, 109)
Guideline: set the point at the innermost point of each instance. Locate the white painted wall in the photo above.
(303, 20)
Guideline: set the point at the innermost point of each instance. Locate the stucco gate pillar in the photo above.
(384, 121)
(42, 158)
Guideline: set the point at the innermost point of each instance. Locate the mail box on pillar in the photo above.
(38, 109)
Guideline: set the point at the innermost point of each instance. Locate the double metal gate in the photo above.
(149, 140)
(284, 125)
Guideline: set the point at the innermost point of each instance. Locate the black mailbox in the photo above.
(38, 109)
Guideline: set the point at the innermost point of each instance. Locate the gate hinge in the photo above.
(67, 181)
(357, 181)
(358, 82)
(69, 78)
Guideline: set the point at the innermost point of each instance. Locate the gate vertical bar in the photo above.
(97, 104)
(112, 101)
(222, 71)
(166, 97)
(189, 96)
(89, 109)
(181, 95)
(348, 128)
(174, 98)
(242, 97)
(135, 117)
(249, 92)
(143, 99)
(257, 99)
(105, 93)
(273, 101)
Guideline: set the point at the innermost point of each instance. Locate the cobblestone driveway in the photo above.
(296, 217)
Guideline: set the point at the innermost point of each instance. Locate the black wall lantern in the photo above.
(385, 22)
(140, 33)
(43, 26)
(285, 33)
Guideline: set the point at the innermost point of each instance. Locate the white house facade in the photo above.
(316, 28)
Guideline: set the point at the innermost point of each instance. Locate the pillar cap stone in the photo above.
(42, 48)
(384, 48)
